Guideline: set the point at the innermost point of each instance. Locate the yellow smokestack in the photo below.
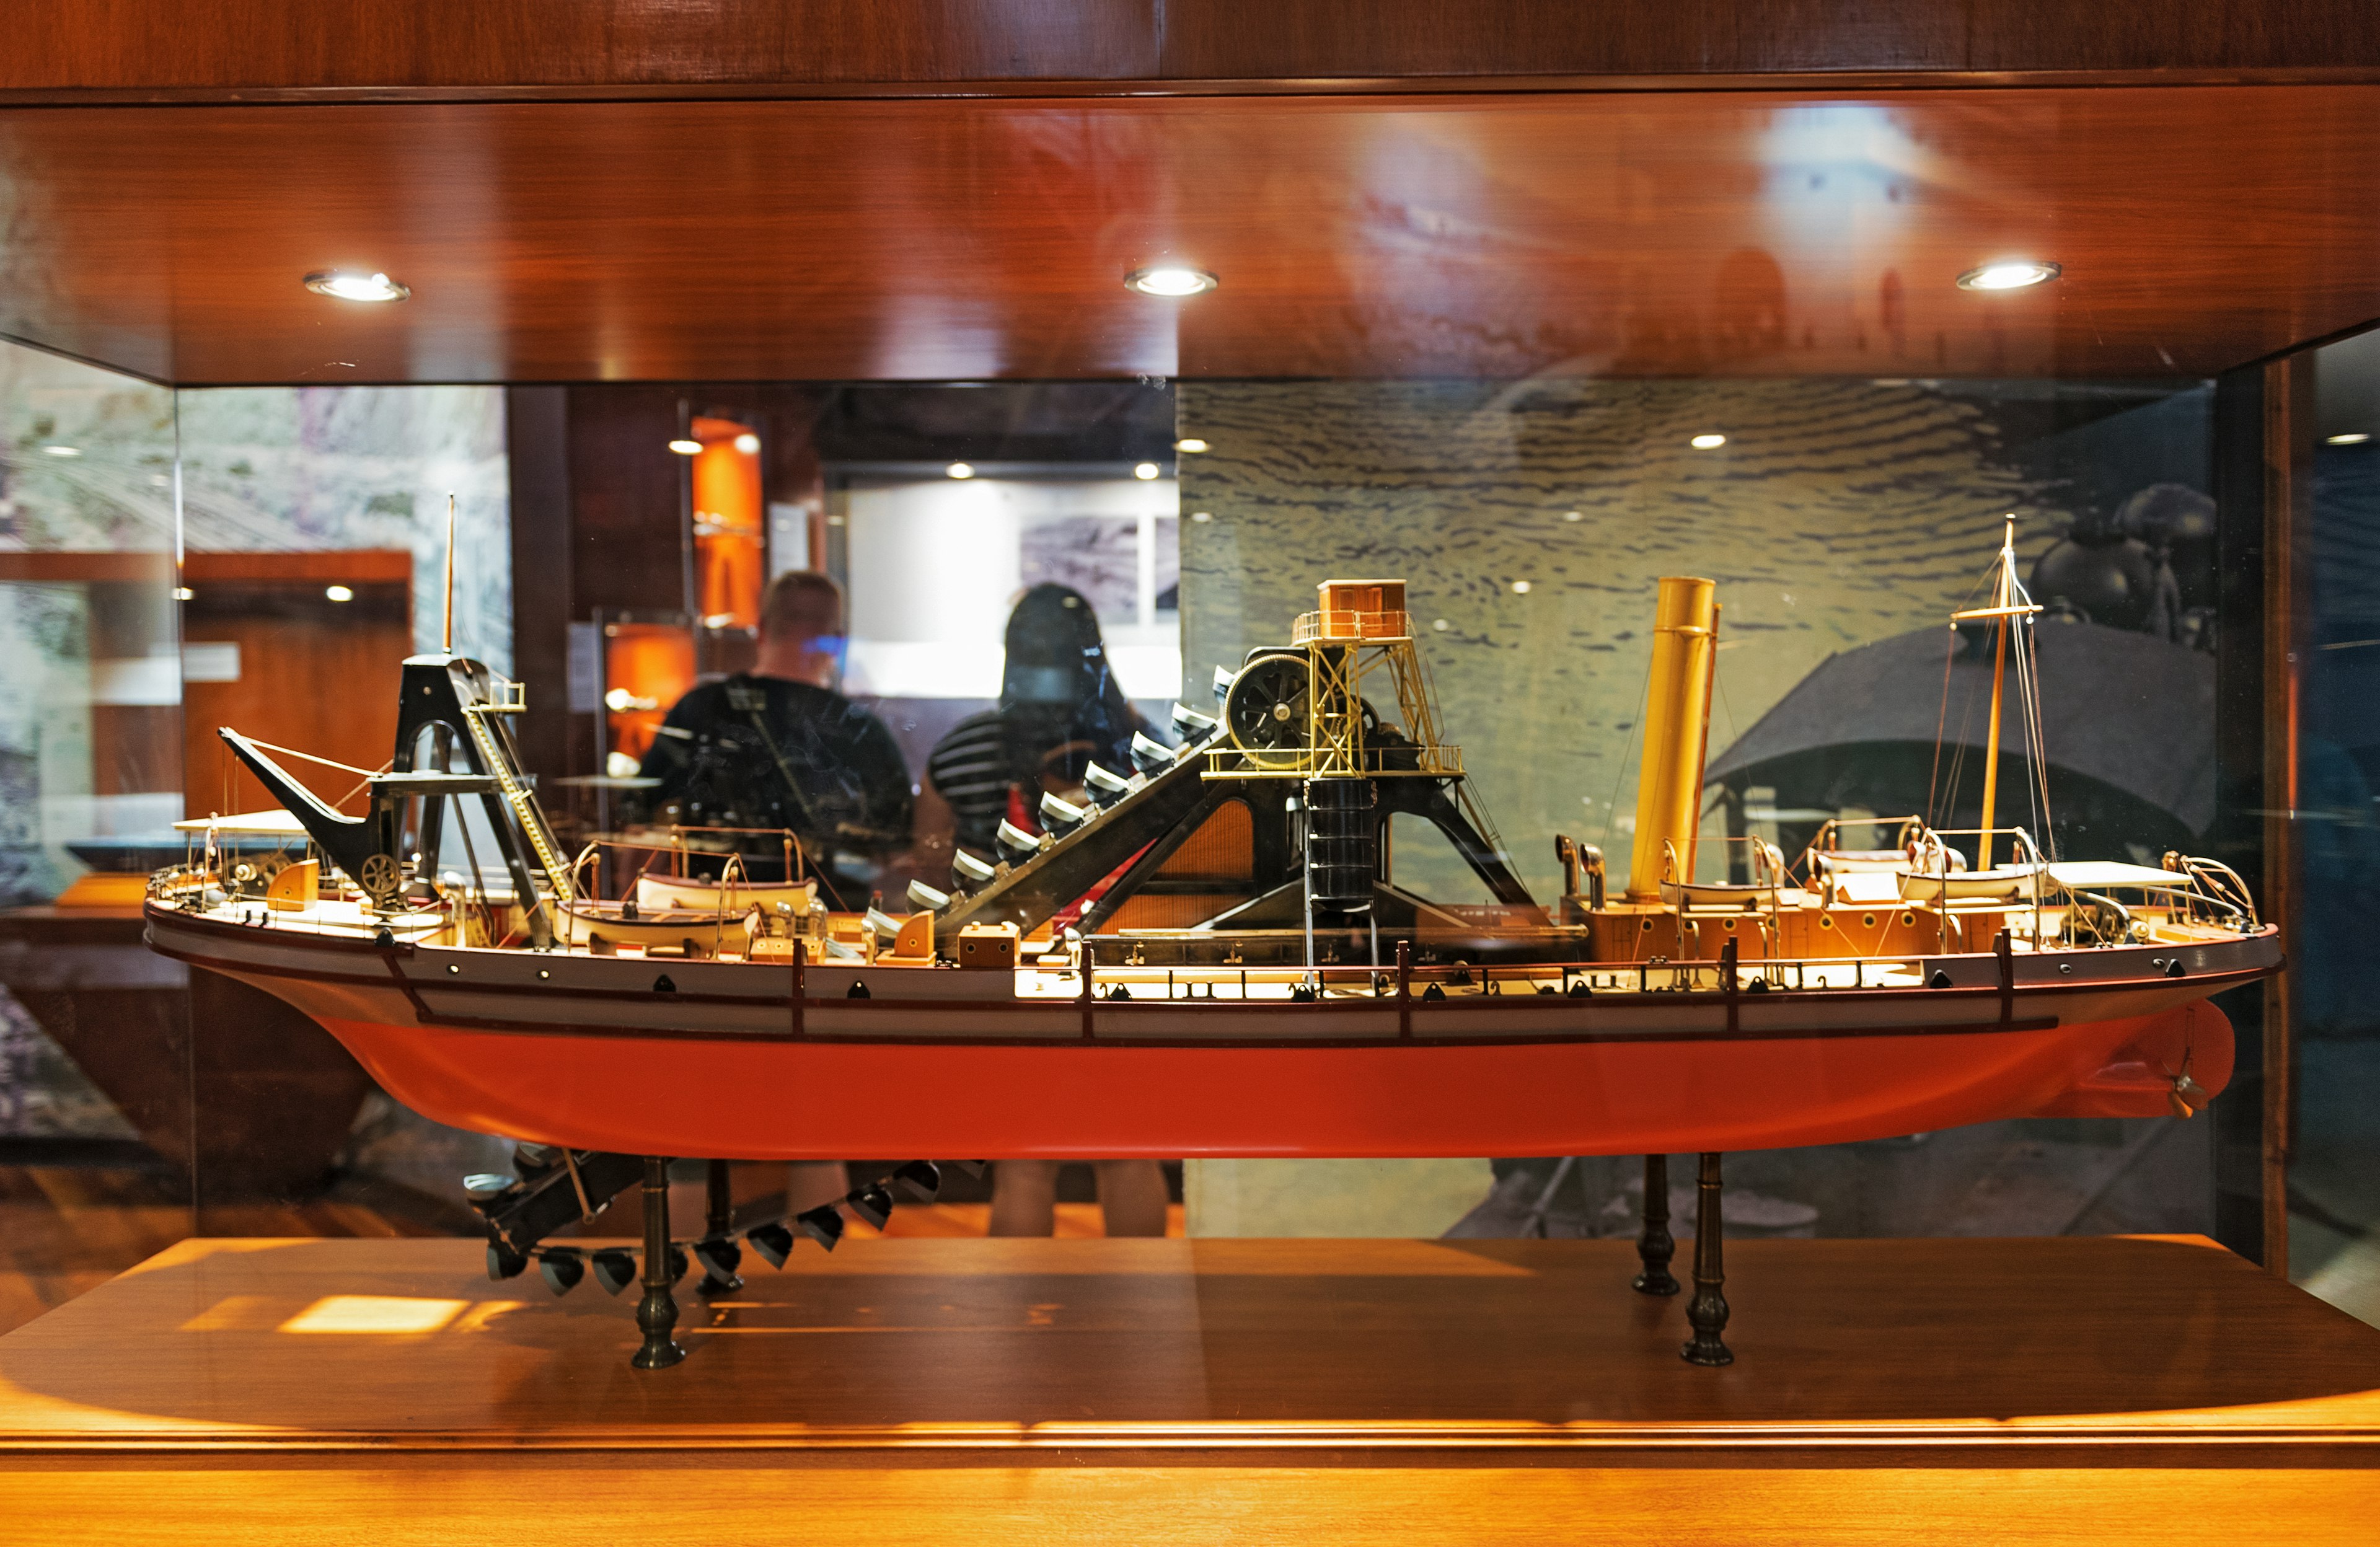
(1677, 725)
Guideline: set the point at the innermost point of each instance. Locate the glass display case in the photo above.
(1842, 456)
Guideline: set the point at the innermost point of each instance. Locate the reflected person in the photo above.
(1060, 709)
(779, 748)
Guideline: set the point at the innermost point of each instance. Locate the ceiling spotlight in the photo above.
(1574, 515)
(1169, 279)
(2016, 273)
(1708, 442)
(748, 444)
(1145, 472)
(338, 594)
(961, 469)
(355, 286)
(61, 450)
(1191, 443)
(1520, 588)
(2353, 437)
(686, 448)
(1202, 514)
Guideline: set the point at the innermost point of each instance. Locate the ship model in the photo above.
(1210, 953)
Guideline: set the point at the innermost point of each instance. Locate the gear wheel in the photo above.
(1266, 711)
(381, 879)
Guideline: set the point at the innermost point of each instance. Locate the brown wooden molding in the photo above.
(1832, 82)
(91, 52)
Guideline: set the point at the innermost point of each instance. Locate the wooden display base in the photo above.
(1153, 1391)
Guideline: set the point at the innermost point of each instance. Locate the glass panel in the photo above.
(316, 524)
(2335, 983)
(94, 1109)
(1844, 520)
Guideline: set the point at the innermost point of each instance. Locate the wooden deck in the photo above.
(2108, 1390)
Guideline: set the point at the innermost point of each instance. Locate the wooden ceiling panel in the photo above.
(1648, 233)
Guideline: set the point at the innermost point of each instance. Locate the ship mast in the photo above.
(2007, 603)
(448, 644)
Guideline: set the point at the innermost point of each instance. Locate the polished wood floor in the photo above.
(2150, 1390)
(2153, 1340)
(64, 1230)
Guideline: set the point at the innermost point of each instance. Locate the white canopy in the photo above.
(275, 823)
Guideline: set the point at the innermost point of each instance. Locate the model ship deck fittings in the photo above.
(1211, 953)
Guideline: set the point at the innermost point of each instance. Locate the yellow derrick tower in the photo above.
(1300, 714)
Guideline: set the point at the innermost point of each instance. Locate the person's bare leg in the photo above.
(1024, 1198)
(1132, 1196)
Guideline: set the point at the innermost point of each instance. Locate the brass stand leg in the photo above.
(1707, 1310)
(722, 1256)
(1657, 1245)
(657, 1312)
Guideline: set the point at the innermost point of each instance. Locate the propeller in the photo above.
(1223, 680)
(1016, 839)
(923, 1179)
(1059, 813)
(884, 924)
(926, 899)
(969, 869)
(1151, 755)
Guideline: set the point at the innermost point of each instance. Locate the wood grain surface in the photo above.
(826, 1499)
(1770, 234)
(2143, 1345)
(2147, 1390)
(245, 47)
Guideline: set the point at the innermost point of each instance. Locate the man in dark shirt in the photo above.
(777, 747)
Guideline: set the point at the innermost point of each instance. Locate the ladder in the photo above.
(497, 759)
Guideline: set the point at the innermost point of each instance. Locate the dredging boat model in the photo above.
(1209, 954)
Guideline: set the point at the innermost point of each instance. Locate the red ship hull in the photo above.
(725, 1064)
(797, 1101)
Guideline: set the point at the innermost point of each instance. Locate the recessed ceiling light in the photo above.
(342, 285)
(961, 469)
(1202, 514)
(1440, 625)
(2013, 273)
(686, 447)
(2353, 437)
(62, 450)
(1708, 442)
(1191, 444)
(1574, 515)
(1520, 588)
(1145, 472)
(338, 594)
(1169, 279)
